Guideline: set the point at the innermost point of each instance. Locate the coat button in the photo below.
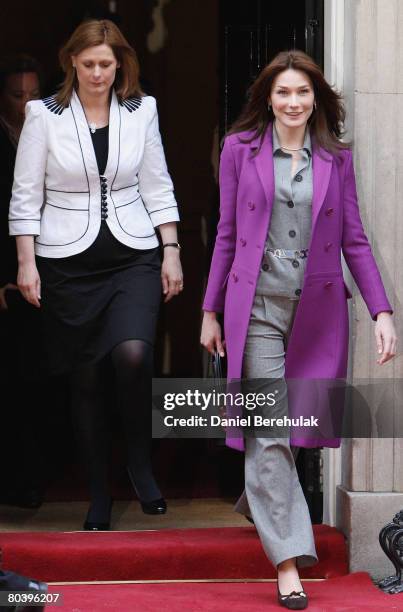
(292, 233)
(295, 263)
(329, 212)
(265, 267)
(290, 204)
(235, 277)
(328, 284)
(298, 292)
(328, 245)
(298, 178)
(242, 241)
(251, 205)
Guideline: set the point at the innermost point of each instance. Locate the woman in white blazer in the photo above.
(90, 188)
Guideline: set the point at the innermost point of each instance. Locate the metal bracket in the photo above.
(391, 542)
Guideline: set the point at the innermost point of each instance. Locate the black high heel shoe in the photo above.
(155, 506)
(99, 525)
(296, 600)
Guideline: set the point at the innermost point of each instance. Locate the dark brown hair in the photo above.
(92, 33)
(325, 123)
(19, 64)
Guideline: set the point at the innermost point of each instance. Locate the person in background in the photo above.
(21, 482)
(19, 84)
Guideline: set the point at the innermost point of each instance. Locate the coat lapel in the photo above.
(84, 136)
(264, 164)
(114, 139)
(85, 139)
(321, 170)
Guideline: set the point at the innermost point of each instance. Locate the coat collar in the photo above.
(321, 170)
(85, 139)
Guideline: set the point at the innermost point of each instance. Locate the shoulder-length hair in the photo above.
(327, 120)
(92, 33)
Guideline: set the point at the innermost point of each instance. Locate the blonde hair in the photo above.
(92, 33)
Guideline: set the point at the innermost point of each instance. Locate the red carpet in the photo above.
(342, 594)
(172, 554)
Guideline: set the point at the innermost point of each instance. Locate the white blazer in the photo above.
(57, 188)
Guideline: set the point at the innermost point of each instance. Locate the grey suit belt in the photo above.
(288, 254)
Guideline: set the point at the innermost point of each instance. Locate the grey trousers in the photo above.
(273, 496)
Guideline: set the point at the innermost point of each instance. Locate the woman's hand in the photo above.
(171, 273)
(29, 283)
(386, 339)
(210, 336)
(3, 301)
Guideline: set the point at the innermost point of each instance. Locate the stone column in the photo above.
(372, 469)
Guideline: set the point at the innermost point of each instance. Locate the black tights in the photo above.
(132, 362)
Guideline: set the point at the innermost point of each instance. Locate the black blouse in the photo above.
(100, 140)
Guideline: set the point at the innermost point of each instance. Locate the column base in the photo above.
(361, 516)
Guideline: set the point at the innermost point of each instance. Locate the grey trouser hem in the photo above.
(273, 496)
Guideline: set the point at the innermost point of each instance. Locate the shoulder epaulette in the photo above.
(52, 105)
(131, 104)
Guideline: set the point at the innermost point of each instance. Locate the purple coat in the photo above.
(318, 346)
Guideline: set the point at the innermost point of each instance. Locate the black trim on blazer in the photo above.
(61, 190)
(110, 192)
(65, 208)
(88, 183)
(54, 106)
(132, 202)
(19, 219)
(151, 212)
(127, 187)
(132, 104)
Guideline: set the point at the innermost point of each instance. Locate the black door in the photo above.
(252, 32)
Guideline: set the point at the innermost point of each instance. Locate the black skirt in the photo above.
(96, 299)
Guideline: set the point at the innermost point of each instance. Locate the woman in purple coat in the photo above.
(288, 210)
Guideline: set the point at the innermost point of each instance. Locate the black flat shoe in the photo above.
(98, 525)
(155, 506)
(296, 600)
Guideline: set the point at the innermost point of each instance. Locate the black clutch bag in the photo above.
(219, 367)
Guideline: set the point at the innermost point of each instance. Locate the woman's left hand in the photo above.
(386, 339)
(171, 273)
